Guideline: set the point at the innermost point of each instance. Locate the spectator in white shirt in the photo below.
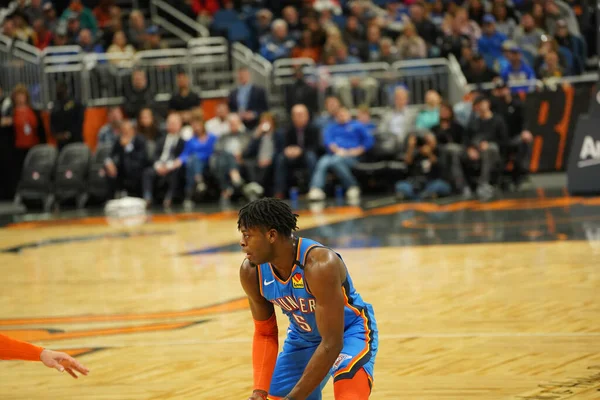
(398, 121)
(219, 124)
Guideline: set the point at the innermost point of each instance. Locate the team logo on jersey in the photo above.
(341, 358)
(297, 281)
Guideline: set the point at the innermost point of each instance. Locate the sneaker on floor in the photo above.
(353, 193)
(253, 191)
(485, 192)
(201, 187)
(188, 204)
(467, 194)
(316, 194)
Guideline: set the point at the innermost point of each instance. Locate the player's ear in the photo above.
(272, 235)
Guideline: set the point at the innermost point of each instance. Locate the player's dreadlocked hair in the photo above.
(268, 213)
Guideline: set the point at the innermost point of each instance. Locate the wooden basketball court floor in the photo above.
(474, 301)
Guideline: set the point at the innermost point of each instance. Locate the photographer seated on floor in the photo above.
(424, 179)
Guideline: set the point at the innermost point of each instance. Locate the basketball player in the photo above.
(12, 349)
(332, 330)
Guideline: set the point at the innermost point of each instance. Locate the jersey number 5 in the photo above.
(302, 323)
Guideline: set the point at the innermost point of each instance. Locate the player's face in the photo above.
(256, 244)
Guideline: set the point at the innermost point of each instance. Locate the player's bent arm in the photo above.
(265, 343)
(324, 274)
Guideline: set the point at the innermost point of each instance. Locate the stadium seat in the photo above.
(238, 32)
(72, 171)
(98, 187)
(37, 177)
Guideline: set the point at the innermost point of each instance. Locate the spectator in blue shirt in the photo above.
(490, 42)
(517, 70)
(346, 141)
(278, 45)
(87, 44)
(195, 156)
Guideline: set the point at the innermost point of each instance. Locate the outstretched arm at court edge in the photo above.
(265, 343)
(324, 274)
(12, 349)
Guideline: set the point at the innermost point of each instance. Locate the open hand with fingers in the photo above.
(62, 362)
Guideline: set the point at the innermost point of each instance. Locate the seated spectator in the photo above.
(490, 42)
(266, 143)
(478, 71)
(520, 140)
(354, 37)
(410, 45)
(373, 39)
(476, 11)
(301, 144)
(548, 44)
(41, 37)
(454, 39)
(327, 116)
(228, 157)
(165, 169)
(527, 36)
(567, 41)
(136, 29)
(504, 23)
(119, 46)
(429, 116)
(278, 44)
(248, 100)
(551, 67)
(346, 141)
(300, 92)
(154, 40)
(319, 36)
(113, 26)
(306, 48)
(557, 10)
(28, 129)
(219, 124)
(399, 120)
(66, 118)
(87, 44)
(292, 19)
(204, 10)
(424, 171)
(448, 131)
(363, 115)
(84, 15)
(34, 11)
(425, 28)
(354, 87)
(195, 156)
(109, 133)
(262, 26)
(22, 29)
(127, 161)
(50, 17)
(60, 37)
(137, 95)
(388, 53)
(517, 71)
(73, 28)
(185, 99)
(465, 26)
(102, 12)
(147, 127)
(487, 140)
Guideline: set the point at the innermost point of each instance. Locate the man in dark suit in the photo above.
(248, 100)
(301, 144)
(164, 169)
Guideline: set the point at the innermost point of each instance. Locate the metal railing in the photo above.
(100, 79)
(590, 77)
(165, 15)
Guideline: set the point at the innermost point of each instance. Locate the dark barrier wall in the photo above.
(552, 117)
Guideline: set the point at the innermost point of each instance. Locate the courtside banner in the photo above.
(583, 173)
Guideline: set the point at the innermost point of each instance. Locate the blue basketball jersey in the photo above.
(295, 300)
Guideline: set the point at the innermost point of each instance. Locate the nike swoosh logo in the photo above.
(268, 283)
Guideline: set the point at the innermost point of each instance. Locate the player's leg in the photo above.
(356, 388)
(290, 367)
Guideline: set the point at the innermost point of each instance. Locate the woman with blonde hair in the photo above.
(410, 44)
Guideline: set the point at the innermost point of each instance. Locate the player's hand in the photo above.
(258, 395)
(62, 362)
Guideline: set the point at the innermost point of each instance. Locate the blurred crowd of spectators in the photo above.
(466, 148)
